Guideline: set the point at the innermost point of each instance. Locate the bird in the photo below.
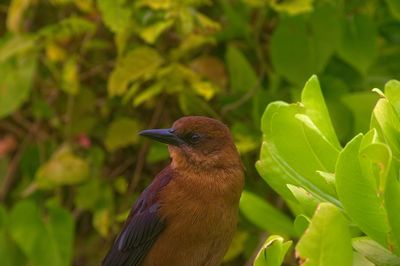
(188, 215)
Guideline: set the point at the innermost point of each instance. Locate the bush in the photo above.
(79, 79)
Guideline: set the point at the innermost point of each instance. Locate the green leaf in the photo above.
(361, 112)
(306, 200)
(9, 252)
(295, 147)
(237, 246)
(16, 82)
(115, 14)
(359, 260)
(394, 7)
(102, 221)
(360, 185)
(293, 7)
(358, 44)
(15, 14)
(272, 252)
(70, 76)
(148, 93)
(66, 28)
(316, 109)
(327, 240)
(375, 252)
(121, 133)
(392, 92)
(141, 62)
(44, 243)
(301, 223)
(392, 204)
(14, 45)
(264, 215)
(387, 122)
(63, 168)
(60, 225)
(241, 74)
(152, 32)
(314, 44)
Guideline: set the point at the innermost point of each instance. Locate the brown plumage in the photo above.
(188, 215)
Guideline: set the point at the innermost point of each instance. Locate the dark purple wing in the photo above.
(141, 228)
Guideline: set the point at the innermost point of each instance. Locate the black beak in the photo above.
(162, 135)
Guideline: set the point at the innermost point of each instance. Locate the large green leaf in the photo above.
(264, 215)
(44, 243)
(360, 185)
(327, 241)
(316, 109)
(394, 7)
(358, 45)
(375, 252)
(272, 252)
(9, 253)
(314, 44)
(387, 122)
(295, 147)
(241, 74)
(392, 93)
(16, 81)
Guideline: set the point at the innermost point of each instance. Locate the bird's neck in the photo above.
(222, 182)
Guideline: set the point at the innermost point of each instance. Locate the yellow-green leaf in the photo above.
(64, 168)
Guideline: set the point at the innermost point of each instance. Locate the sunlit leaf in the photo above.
(70, 76)
(392, 92)
(272, 252)
(292, 7)
(115, 14)
(63, 168)
(326, 242)
(358, 186)
(141, 62)
(151, 33)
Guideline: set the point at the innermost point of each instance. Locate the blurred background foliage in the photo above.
(80, 78)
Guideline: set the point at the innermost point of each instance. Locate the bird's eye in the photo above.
(194, 138)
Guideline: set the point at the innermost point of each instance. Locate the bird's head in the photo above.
(198, 141)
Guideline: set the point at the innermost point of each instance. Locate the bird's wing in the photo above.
(141, 228)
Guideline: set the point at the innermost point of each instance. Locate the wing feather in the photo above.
(142, 227)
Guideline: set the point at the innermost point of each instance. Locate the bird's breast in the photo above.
(199, 226)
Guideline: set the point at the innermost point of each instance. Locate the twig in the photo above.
(145, 148)
(10, 127)
(11, 171)
(13, 165)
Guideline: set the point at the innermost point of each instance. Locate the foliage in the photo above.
(343, 192)
(79, 79)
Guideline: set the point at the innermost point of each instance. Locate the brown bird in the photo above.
(187, 216)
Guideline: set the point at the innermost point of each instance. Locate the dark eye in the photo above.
(194, 138)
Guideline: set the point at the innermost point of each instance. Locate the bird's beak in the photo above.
(162, 135)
